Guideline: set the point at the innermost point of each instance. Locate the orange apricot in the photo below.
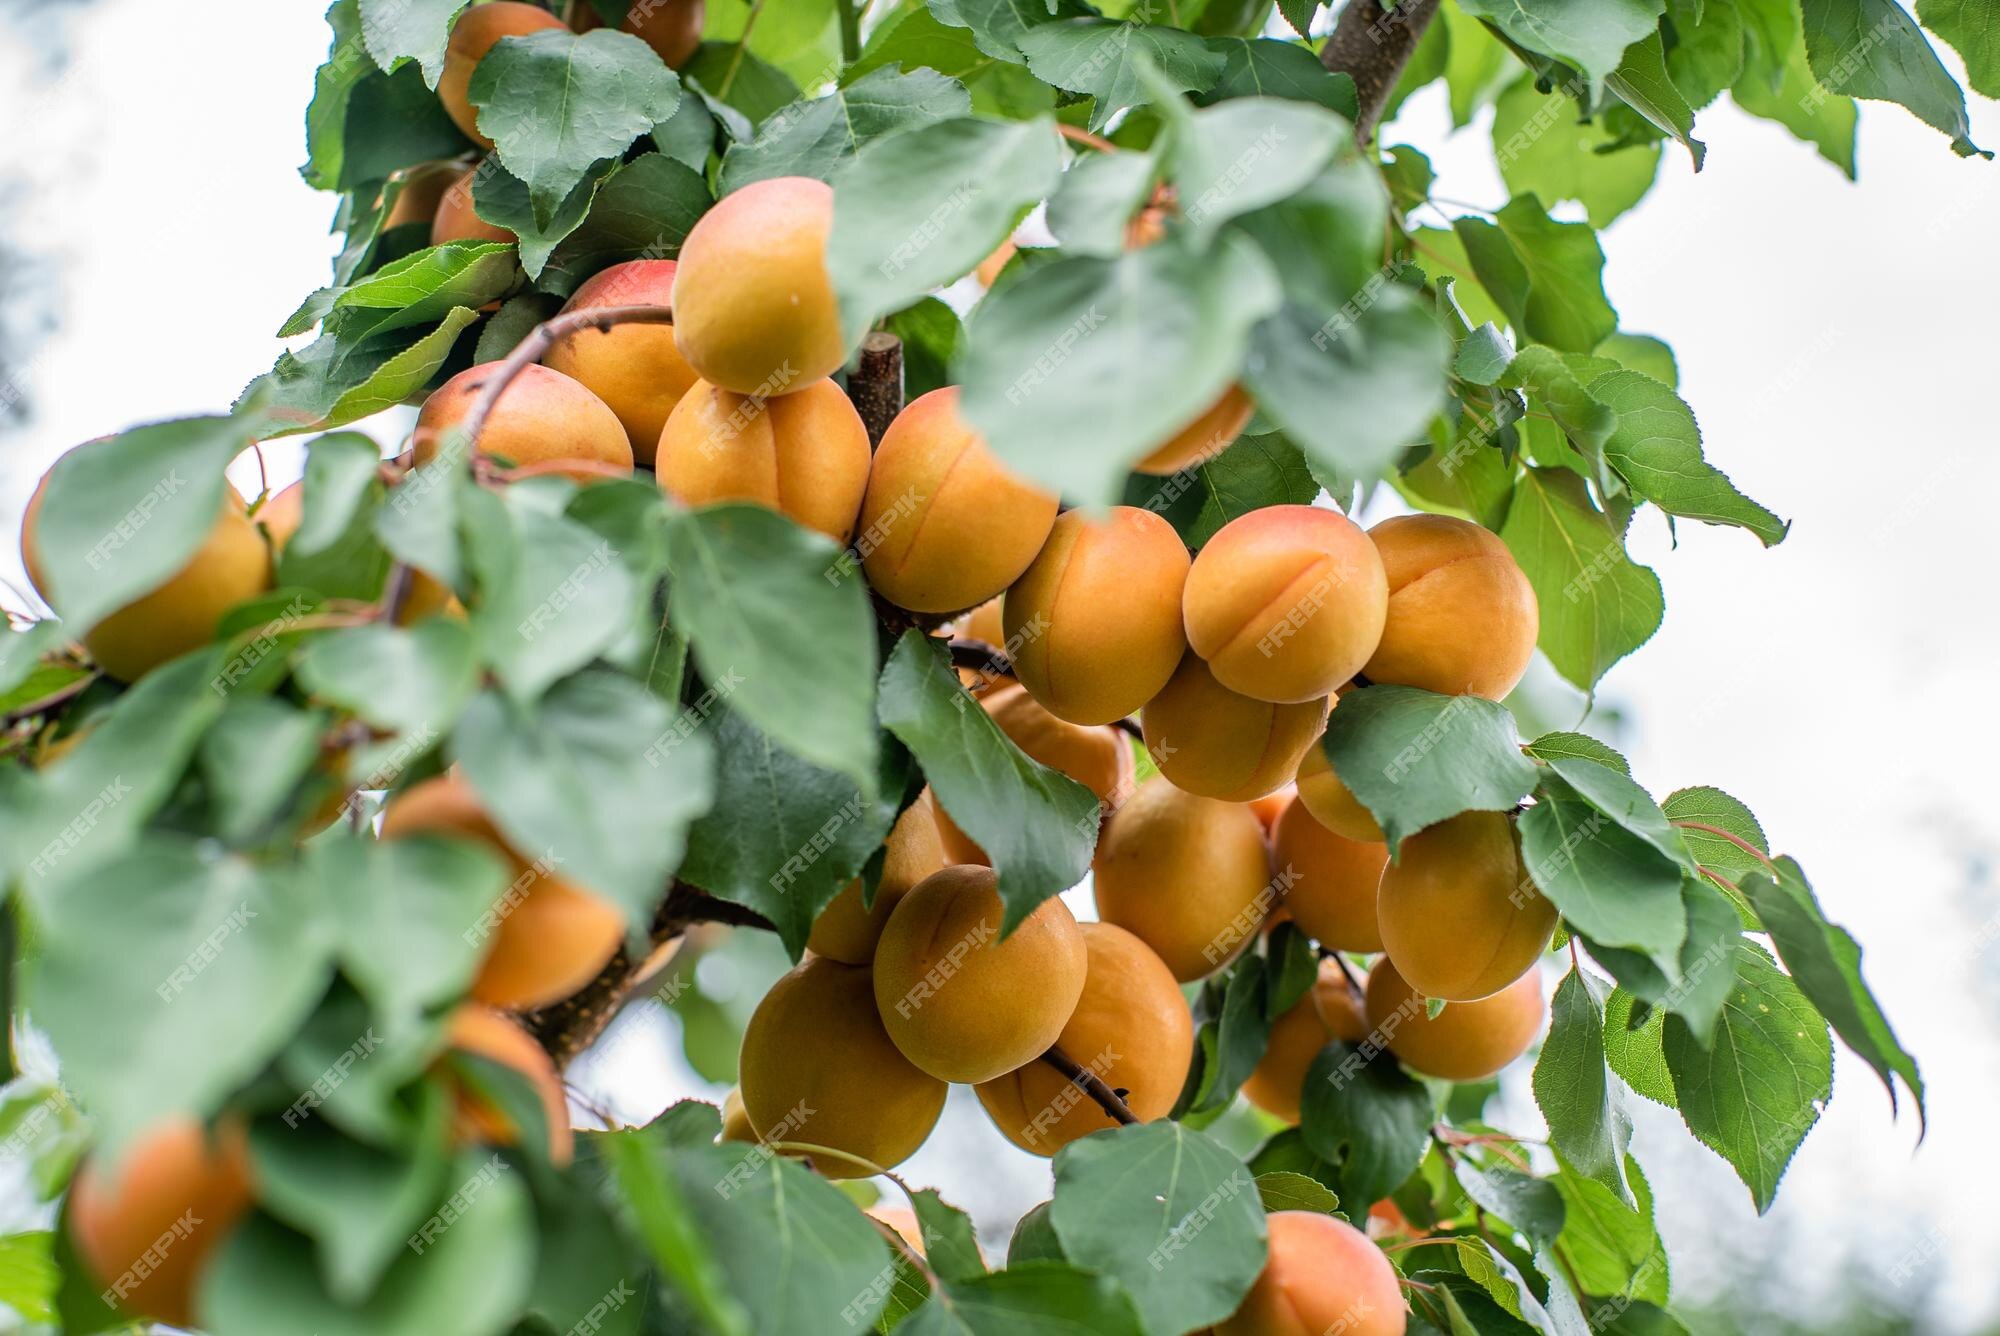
(485, 1033)
(477, 31)
(420, 189)
(945, 525)
(1272, 806)
(455, 218)
(803, 454)
(735, 1120)
(1286, 603)
(847, 932)
(1323, 1275)
(1458, 912)
(1131, 1027)
(1462, 617)
(1467, 1041)
(962, 1002)
(1222, 744)
(1097, 758)
(636, 369)
(543, 417)
(1329, 1010)
(1214, 431)
(1095, 620)
(1329, 880)
(1329, 800)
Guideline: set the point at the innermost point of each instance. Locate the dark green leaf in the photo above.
(1874, 49)
(1589, 34)
(1588, 1125)
(1369, 1117)
(1255, 472)
(1288, 1191)
(949, 1244)
(1033, 1299)
(1547, 276)
(1610, 884)
(820, 138)
(1112, 61)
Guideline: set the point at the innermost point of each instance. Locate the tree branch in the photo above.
(1371, 45)
(1093, 1085)
(876, 383)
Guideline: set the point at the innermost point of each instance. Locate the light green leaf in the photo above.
(1874, 49)
(1974, 32)
(1104, 58)
(1657, 447)
(1589, 34)
(1544, 149)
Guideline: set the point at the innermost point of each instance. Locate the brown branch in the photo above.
(980, 657)
(876, 383)
(1091, 1084)
(1371, 45)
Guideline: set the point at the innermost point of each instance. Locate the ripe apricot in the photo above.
(671, 27)
(1222, 744)
(1467, 1041)
(989, 268)
(1462, 617)
(735, 1121)
(817, 1066)
(803, 454)
(1189, 876)
(148, 1231)
(1204, 438)
(284, 510)
(1459, 914)
(637, 370)
(485, 1033)
(1323, 1275)
(1095, 620)
(1286, 603)
(1330, 881)
(754, 310)
(475, 34)
(1330, 1010)
(420, 189)
(1329, 800)
(962, 1002)
(1131, 1027)
(543, 417)
(847, 932)
(945, 524)
(456, 218)
(548, 936)
(178, 615)
(1272, 806)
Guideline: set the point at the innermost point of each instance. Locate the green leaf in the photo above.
(1970, 28)
(1874, 49)
(168, 976)
(1110, 61)
(1613, 1246)
(1473, 67)
(419, 289)
(1255, 472)
(364, 124)
(1610, 884)
(738, 88)
(398, 30)
(1696, 982)
(1588, 1125)
(910, 36)
(642, 211)
(1414, 757)
(1825, 963)
(1778, 85)
(998, 26)
(598, 777)
(555, 103)
(332, 382)
(931, 333)
(1609, 788)
(664, 1219)
(1246, 153)
(1755, 1091)
(1597, 605)
(770, 606)
(1288, 1191)
(918, 209)
(413, 680)
(1644, 354)
(1547, 276)
(1532, 1205)
(1143, 344)
(820, 138)
(588, 1274)
(252, 760)
(1262, 67)
(1029, 1299)
(1657, 447)
(1368, 1116)
(1543, 149)
(1642, 83)
(1589, 34)
(949, 1243)
(1553, 746)
(1585, 423)
(467, 1273)
(784, 836)
(28, 1275)
(1638, 1054)
(1037, 825)
(1702, 806)
(1167, 1213)
(1096, 198)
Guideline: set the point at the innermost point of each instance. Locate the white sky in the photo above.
(1835, 340)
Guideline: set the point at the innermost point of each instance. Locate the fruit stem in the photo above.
(1091, 1084)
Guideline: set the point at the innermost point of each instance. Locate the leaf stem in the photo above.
(1078, 135)
(1736, 840)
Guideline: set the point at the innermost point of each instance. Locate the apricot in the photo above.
(548, 936)
(904, 1221)
(818, 1066)
(485, 1033)
(1330, 1010)
(543, 417)
(1095, 620)
(456, 219)
(1097, 758)
(1131, 1027)
(1272, 805)
(735, 1122)
(1458, 912)
(754, 310)
(1330, 881)
(420, 190)
(1329, 800)
(1467, 1041)
(1189, 876)
(962, 1002)
(1323, 1275)
(1462, 617)
(803, 454)
(988, 272)
(1204, 438)
(475, 34)
(1286, 603)
(179, 615)
(637, 370)
(284, 510)
(945, 524)
(148, 1231)
(1222, 744)
(671, 27)
(847, 932)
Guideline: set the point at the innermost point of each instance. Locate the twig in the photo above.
(876, 383)
(980, 657)
(1371, 45)
(1078, 135)
(1091, 1084)
(1347, 971)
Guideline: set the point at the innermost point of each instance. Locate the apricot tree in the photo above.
(979, 564)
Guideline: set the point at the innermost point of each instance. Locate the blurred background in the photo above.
(1836, 339)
